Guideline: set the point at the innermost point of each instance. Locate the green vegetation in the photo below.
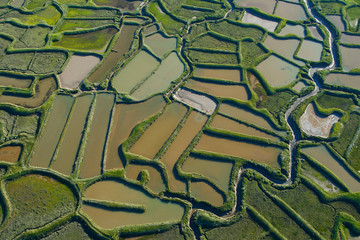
(211, 42)
(36, 200)
(350, 128)
(244, 228)
(277, 103)
(71, 25)
(331, 7)
(334, 100)
(199, 56)
(73, 230)
(250, 51)
(216, 182)
(77, 12)
(237, 31)
(95, 40)
(170, 25)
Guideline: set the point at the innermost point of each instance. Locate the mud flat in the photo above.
(10, 153)
(197, 101)
(314, 125)
(77, 69)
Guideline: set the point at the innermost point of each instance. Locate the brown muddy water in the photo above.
(10, 154)
(125, 118)
(225, 123)
(159, 131)
(121, 47)
(190, 129)
(157, 211)
(15, 81)
(219, 90)
(43, 89)
(95, 142)
(233, 75)
(343, 79)
(217, 171)
(51, 132)
(204, 192)
(246, 150)
(155, 184)
(71, 139)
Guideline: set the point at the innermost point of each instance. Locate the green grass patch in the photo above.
(36, 200)
(328, 100)
(331, 7)
(196, 30)
(170, 25)
(25, 125)
(353, 15)
(73, 230)
(33, 4)
(250, 51)
(91, 13)
(244, 228)
(264, 205)
(340, 145)
(197, 56)
(173, 234)
(211, 42)
(269, 210)
(189, 13)
(17, 62)
(277, 103)
(95, 40)
(12, 30)
(77, 2)
(172, 4)
(204, 4)
(49, 15)
(71, 25)
(34, 37)
(354, 156)
(48, 62)
(236, 31)
(321, 216)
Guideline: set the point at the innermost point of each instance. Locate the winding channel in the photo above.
(295, 138)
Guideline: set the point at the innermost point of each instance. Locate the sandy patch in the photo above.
(77, 69)
(197, 101)
(314, 125)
